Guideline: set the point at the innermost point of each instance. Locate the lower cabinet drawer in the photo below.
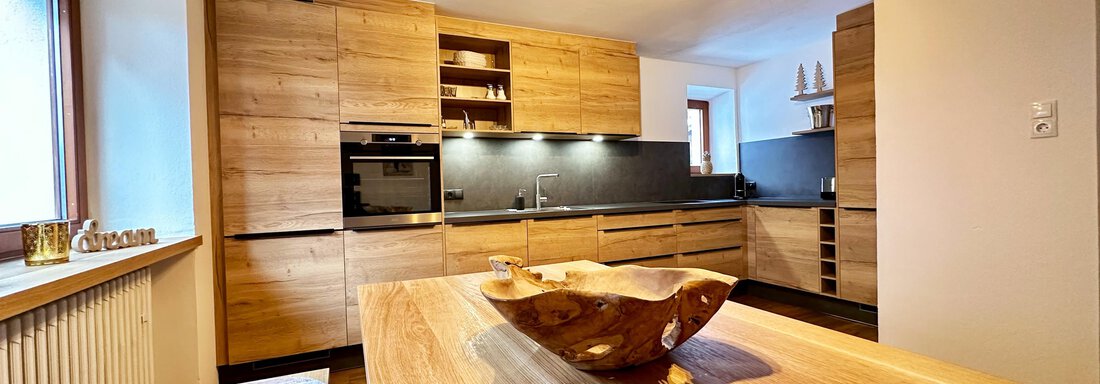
(284, 296)
(728, 261)
(709, 214)
(637, 243)
(707, 236)
(470, 245)
(653, 262)
(552, 241)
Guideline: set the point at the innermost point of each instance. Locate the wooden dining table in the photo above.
(442, 330)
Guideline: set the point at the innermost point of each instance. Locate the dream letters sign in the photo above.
(88, 240)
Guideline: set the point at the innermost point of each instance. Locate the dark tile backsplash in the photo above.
(490, 171)
(790, 166)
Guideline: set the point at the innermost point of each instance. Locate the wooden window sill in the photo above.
(23, 288)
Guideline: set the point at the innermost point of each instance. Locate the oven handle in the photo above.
(392, 157)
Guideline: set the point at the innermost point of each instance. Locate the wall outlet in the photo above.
(452, 194)
(1044, 119)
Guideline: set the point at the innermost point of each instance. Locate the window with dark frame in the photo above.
(41, 118)
(698, 124)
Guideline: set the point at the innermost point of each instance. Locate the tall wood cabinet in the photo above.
(388, 70)
(279, 134)
(854, 78)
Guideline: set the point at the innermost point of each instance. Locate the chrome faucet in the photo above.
(539, 198)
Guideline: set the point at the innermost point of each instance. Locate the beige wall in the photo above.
(987, 238)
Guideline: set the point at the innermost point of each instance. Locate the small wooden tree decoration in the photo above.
(800, 81)
(819, 78)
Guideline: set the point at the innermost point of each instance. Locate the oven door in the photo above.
(390, 180)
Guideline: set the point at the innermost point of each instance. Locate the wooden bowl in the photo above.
(612, 318)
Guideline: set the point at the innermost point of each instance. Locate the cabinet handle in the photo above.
(392, 157)
(265, 235)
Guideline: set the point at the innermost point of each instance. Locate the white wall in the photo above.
(987, 238)
(664, 94)
(765, 88)
(144, 101)
(723, 132)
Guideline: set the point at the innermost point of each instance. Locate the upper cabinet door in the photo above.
(277, 59)
(280, 141)
(610, 93)
(388, 70)
(546, 89)
(854, 75)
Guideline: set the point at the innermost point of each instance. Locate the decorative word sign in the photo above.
(88, 240)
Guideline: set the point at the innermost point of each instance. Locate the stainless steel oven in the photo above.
(390, 179)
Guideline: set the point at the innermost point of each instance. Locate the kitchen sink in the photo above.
(679, 201)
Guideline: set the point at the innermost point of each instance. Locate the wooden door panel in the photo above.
(388, 68)
(469, 246)
(610, 92)
(284, 296)
(277, 59)
(546, 89)
(787, 248)
(858, 255)
(560, 240)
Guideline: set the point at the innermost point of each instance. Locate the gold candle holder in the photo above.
(45, 243)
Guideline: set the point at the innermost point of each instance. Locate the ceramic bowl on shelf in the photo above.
(608, 319)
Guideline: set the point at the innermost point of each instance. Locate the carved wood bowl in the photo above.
(612, 318)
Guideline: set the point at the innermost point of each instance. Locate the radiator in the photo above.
(100, 335)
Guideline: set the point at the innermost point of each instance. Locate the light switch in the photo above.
(1042, 110)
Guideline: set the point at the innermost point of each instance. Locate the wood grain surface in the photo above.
(625, 244)
(442, 330)
(388, 70)
(552, 241)
(546, 89)
(468, 247)
(610, 92)
(854, 78)
(786, 247)
(284, 295)
(857, 246)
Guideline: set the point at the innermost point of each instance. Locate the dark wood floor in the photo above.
(820, 319)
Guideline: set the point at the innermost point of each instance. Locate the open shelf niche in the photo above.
(488, 115)
(827, 250)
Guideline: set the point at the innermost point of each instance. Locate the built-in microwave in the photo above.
(390, 179)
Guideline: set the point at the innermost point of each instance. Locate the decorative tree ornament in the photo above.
(819, 78)
(800, 81)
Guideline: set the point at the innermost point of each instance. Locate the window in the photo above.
(40, 117)
(698, 124)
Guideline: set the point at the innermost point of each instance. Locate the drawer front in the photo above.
(469, 246)
(709, 214)
(708, 236)
(636, 220)
(637, 243)
(727, 261)
(559, 240)
(653, 262)
(379, 256)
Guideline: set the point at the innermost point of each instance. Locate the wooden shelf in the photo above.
(828, 242)
(829, 260)
(813, 96)
(461, 102)
(813, 131)
(828, 277)
(472, 73)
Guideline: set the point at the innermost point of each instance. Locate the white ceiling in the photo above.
(719, 32)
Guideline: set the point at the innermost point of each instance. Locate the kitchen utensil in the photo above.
(828, 188)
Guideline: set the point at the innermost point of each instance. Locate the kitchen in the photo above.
(351, 146)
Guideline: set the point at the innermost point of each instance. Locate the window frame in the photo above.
(705, 140)
(72, 109)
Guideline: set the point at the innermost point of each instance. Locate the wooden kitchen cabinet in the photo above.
(854, 80)
(730, 261)
(552, 241)
(786, 247)
(639, 243)
(388, 63)
(610, 92)
(277, 59)
(858, 258)
(546, 89)
(279, 174)
(377, 256)
(278, 111)
(468, 246)
(284, 295)
(710, 235)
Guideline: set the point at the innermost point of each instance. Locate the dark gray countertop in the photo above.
(604, 209)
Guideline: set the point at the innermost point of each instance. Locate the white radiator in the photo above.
(99, 335)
